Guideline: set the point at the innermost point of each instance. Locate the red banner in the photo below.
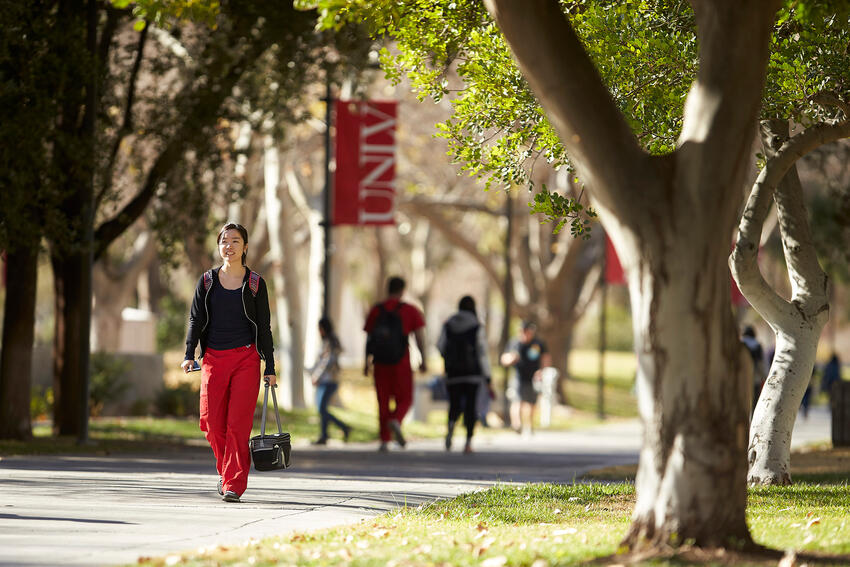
(364, 183)
(613, 270)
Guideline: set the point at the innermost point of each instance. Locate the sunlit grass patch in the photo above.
(534, 525)
(812, 517)
(506, 525)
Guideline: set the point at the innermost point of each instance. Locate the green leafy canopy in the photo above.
(165, 13)
(645, 50)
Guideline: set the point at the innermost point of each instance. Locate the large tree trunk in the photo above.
(73, 293)
(72, 259)
(18, 334)
(797, 323)
(692, 396)
(671, 220)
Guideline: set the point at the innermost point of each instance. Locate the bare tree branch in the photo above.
(127, 122)
(453, 234)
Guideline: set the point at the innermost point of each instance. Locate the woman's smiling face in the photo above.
(231, 246)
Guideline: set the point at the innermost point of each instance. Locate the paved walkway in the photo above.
(92, 510)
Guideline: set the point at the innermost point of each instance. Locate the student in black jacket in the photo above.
(230, 318)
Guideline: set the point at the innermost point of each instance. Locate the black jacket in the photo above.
(256, 309)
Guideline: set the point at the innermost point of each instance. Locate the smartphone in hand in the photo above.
(195, 366)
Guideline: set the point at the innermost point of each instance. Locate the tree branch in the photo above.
(191, 131)
(452, 233)
(127, 122)
(457, 204)
(722, 105)
(576, 100)
(744, 259)
(830, 99)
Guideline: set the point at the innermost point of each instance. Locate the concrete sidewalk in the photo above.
(107, 510)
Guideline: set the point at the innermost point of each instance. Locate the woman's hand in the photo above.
(187, 365)
(271, 379)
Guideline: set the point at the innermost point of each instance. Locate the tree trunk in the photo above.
(18, 334)
(769, 452)
(671, 219)
(73, 293)
(284, 275)
(72, 259)
(314, 286)
(798, 323)
(113, 291)
(693, 401)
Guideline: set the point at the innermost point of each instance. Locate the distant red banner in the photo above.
(613, 270)
(364, 184)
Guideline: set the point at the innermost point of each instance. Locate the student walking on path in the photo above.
(388, 324)
(528, 355)
(230, 319)
(463, 344)
(324, 377)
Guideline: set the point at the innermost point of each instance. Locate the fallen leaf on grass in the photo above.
(481, 527)
(812, 522)
(479, 550)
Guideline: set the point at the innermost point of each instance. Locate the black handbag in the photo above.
(270, 452)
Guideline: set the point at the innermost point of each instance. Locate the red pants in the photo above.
(230, 385)
(393, 381)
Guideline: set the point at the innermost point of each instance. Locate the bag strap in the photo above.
(265, 407)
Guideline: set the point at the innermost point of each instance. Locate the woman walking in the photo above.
(231, 320)
(324, 376)
(463, 344)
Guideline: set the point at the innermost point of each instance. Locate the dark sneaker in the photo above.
(382, 448)
(320, 441)
(345, 433)
(230, 496)
(449, 442)
(395, 427)
(220, 489)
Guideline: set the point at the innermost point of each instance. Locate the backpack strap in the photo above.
(208, 281)
(254, 282)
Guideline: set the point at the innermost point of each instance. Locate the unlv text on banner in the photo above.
(364, 184)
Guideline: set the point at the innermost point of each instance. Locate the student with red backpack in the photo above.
(388, 325)
(230, 318)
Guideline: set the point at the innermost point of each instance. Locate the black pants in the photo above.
(462, 399)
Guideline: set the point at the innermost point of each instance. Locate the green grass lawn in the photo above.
(582, 389)
(534, 525)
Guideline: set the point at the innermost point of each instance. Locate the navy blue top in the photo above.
(229, 326)
(529, 362)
